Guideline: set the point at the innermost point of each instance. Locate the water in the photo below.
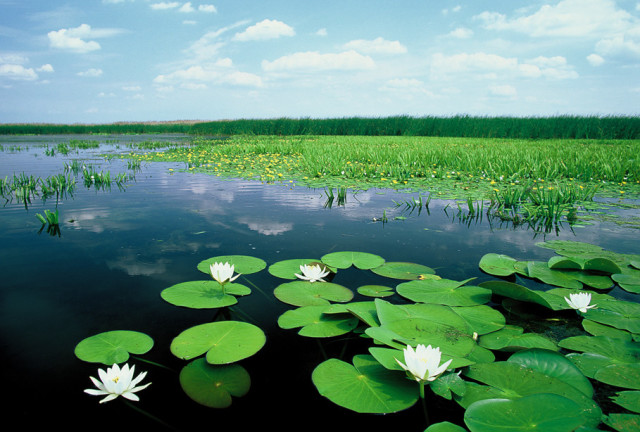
(119, 249)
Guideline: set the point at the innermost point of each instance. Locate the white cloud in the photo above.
(93, 72)
(568, 18)
(45, 68)
(217, 73)
(461, 33)
(376, 46)
(491, 66)
(619, 45)
(186, 8)
(504, 90)
(189, 22)
(207, 8)
(73, 39)
(17, 72)
(322, 32)
(266, 29)
(131, 88)
(164, 5)
(314, 61)
(595, 60)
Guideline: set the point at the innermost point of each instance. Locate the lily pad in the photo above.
(512, 338)
(517, 292)
(445, 427)
(481, 319)
(403, 270)
(199, 295)
(614, 349)
(212, 385)
(364, 386)
(541, 271)
(628, 282)
(507, 380)
(313, 322)
(287, 269)
(538, 412)
(303, 293)
(445, 292)
(377, 291)
(623, 422)
(628, 399)
(346, 259)
(242, 264)
(113, 346)
(624, 375)
(223, 342)
(555, 365)
(497, 264)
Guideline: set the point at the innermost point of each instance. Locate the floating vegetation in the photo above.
(496, 363)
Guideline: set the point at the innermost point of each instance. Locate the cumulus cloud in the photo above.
(376, 46)
(266, 29)
(492, 66)
(186, 8)
(164, 5)
(17, 72)
(315, 61)
(461, 33)
(577, 18)
(595, 60)
(207, 8)
(504, 90)
(93, 73)
(73, 39)
(45, 68)
(218, 73)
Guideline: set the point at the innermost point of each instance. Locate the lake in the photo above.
(119, 248)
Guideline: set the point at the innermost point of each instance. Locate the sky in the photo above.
(104, 61)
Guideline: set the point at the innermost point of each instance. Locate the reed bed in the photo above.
(554, 127)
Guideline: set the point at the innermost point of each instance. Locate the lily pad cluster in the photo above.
(506, 376)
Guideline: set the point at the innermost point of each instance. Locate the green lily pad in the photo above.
(314, 322)
(589, 363)
(619, 314)
(448, 384)
(555, 365)
(565, 263)
(113, 346)
(541, 271)
(517, 292)
(287, 269)
(364, 386)
(242, 264)
(445, 427)
(388, 312)
(615, 349)
(537, 412)
(512, 338)
(413, 331)
(570, 247)
(497, 264)
(213, 385)
(481, 319)
(635, 263)
(628, 399)
(388, 357)
(304, 293)
(199, 295)
(223, 341)
(623, 422)
(628, 282)
(403, 270)
(377, 291)
(445, 292)
(597, 329)
(624, 375)
(508, 380)
(361, 260)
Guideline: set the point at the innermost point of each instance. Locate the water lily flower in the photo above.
(580, 301)
(223, 273)
(117, 382)
(423, 363)
(312, 273)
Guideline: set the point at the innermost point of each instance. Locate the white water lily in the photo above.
(312, 273)
(222, 272)
(580, 301)
(423, 363)
(117, 382)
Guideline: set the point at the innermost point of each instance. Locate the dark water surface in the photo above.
(119, 249)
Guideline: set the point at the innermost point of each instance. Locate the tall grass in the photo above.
(554, 127)
(580, 127)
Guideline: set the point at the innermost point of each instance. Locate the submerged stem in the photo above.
(424, 403)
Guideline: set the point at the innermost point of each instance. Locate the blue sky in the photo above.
(102, 61)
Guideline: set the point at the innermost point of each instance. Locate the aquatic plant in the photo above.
(116, 382)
